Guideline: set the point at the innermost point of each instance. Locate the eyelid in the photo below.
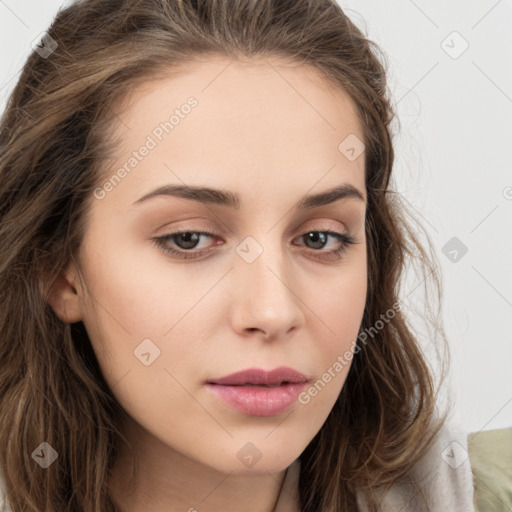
(205, 225)
(312, 225)
(323, 225)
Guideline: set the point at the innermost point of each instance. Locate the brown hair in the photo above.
(54, 142)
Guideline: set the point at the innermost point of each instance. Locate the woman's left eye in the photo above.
(187, 240)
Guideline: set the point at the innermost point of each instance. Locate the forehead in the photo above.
(254, 120)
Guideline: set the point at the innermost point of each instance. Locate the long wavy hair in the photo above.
(55, 139)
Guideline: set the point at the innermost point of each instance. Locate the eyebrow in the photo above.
(230, 199)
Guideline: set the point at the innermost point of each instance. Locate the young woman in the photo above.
(200, 264)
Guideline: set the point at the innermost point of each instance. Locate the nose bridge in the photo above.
(265, 298)
(264, 264)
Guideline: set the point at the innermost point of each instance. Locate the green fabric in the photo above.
(490, 454)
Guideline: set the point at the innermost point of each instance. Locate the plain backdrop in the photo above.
(451, 77)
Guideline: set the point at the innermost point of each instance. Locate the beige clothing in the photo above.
(444, 474)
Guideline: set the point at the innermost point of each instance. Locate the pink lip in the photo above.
(258, 392)
(258, 376)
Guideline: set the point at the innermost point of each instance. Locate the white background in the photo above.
(453, 163)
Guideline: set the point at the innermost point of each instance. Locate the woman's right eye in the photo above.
(187, 238)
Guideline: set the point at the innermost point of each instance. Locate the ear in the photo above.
(63, 296)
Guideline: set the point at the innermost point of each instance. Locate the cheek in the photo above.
(340, 303)
(144, 322)
(133, 303)
(337, 312)
(141, 296)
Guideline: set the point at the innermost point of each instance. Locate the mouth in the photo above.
(263, 378)
(256, 392)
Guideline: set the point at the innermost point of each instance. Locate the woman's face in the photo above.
(263, 289)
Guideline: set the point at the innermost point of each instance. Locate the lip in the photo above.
(259, 392)
(261, 377)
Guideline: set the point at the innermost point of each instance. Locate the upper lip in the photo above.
(259, 376)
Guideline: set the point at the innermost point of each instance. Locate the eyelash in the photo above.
(161, 242)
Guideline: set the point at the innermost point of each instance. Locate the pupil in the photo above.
(313, 236)
(190, 240)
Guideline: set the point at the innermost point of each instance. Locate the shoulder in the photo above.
(490, 453)
(443, 476)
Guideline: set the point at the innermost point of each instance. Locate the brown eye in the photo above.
(184, 240)
(318, 239)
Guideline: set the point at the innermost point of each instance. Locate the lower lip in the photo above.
(259, 400)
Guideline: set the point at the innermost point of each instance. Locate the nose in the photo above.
(266, 299)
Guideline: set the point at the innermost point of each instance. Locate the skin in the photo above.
(269, 131)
